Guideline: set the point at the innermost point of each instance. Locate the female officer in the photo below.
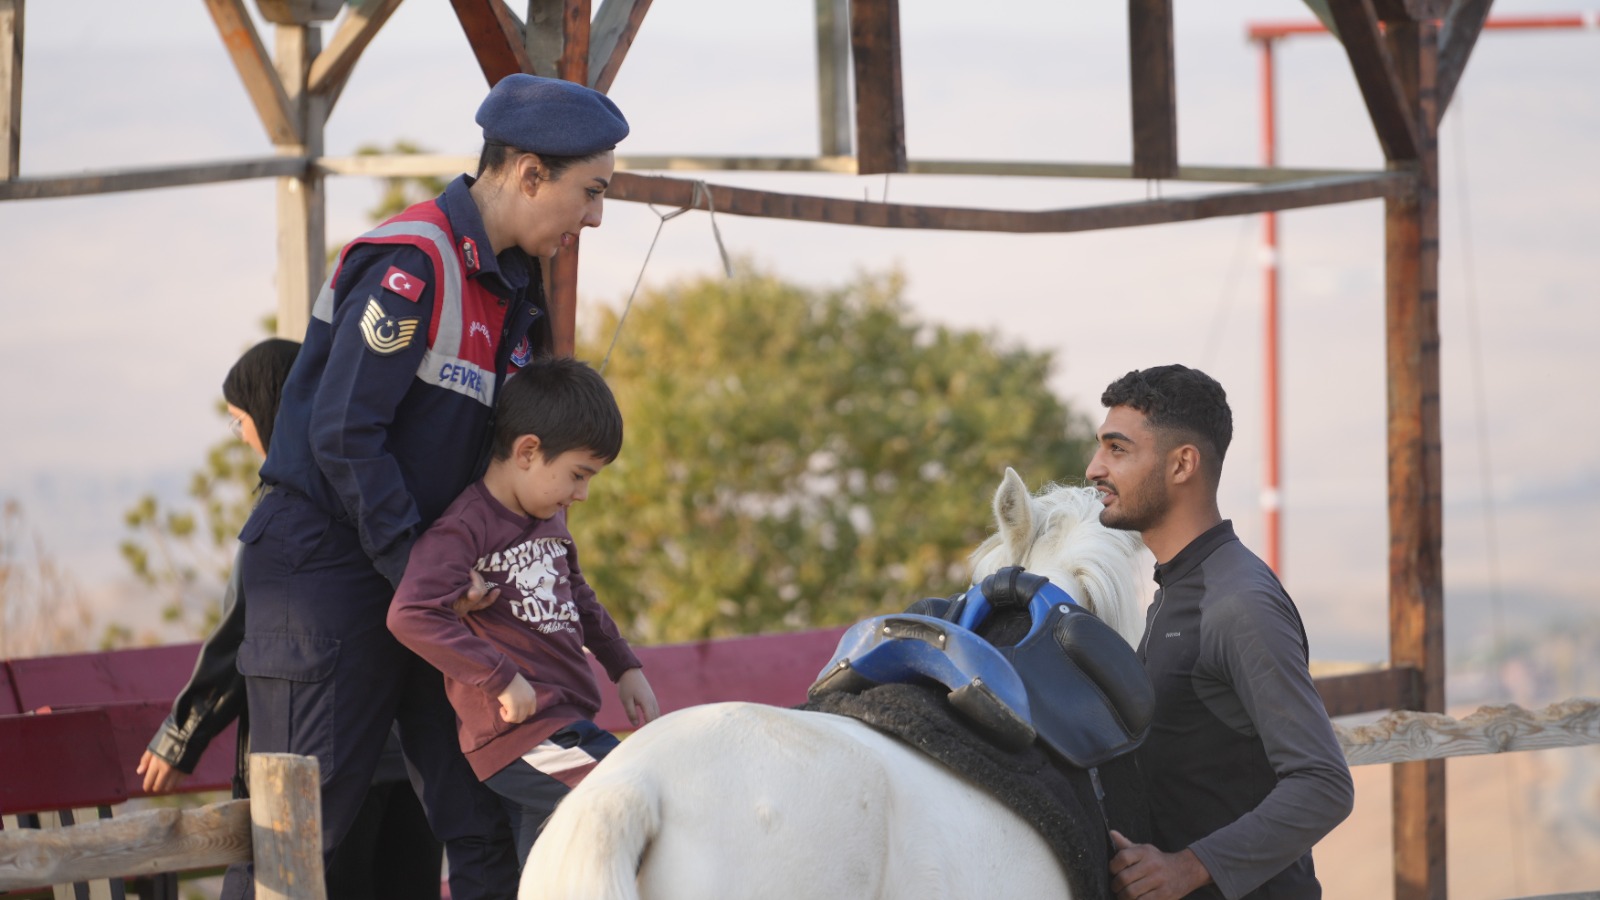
(385, 419)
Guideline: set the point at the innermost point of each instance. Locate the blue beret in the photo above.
(548, 115)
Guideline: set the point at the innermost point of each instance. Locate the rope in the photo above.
(700, 191)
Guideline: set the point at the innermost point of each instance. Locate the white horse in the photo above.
(743, 800)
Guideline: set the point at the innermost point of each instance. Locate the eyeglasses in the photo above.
(237, 427)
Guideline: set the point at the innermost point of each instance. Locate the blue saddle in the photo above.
(1068, 681)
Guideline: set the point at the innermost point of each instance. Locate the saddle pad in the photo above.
(1058, 802)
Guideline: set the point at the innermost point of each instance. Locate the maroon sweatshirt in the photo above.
(545, 615)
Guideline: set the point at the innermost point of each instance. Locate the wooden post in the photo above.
(1416, 577)
(573, 65)
(833, 76)
(286, 826)
(11, 16)
(302, 238)
(1154, 90)
(880, 106)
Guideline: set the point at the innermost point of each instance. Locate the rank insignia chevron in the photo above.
(385, 334)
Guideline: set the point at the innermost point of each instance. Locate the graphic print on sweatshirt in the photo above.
(530, 573)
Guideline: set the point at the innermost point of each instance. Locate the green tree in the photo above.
(799, 457)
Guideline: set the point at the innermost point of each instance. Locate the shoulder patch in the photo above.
(386, 335)
(403, 283)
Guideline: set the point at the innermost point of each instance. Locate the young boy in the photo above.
(515, 671)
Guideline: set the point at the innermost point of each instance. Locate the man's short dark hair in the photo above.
(563, 401)
(1181, 404)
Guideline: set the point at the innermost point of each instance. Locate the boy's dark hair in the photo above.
(255, 383)
(563, 401)
(1181, 403)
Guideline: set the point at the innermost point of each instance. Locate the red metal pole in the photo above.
(1271, 505)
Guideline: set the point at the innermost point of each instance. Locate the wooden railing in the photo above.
(72, 727)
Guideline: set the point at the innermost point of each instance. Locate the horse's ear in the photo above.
(1013, 512)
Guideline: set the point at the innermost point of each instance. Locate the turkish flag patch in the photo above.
(407, 285)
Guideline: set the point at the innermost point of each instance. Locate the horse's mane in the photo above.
(1097, 565)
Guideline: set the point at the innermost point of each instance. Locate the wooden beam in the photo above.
(332, 67)
(409, 164)
(1405, 736)
(1416, 571)
(543, 37)
(11, 22)
(1364, 692)
(298, 12)
(880, 105)
(255, 69)
(286, 826)
(302, 203)
(151, 178)
(678, 192)
(1154, 91)
(572, 65)
(1410, 10)
(496, 37)
(1375, 74)
(615, 27)
(141, 843)
(833, 76)
(1460, 35)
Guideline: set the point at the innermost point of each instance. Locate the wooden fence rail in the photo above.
(1405, 736)
(280, 828)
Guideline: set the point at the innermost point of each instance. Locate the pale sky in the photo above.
(124, 311)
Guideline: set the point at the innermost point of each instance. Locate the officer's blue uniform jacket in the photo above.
(387, 414)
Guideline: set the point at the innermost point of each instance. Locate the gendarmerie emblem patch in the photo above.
(385, 334)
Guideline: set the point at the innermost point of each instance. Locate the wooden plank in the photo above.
(833, 76)
(85, 756)
(9, 704)
(332, 67)
(286, 826)
(1154, 90)
(150, 178)
(768, 668)
(574, 63)
(1416, 586)
(1376, 75)
(142, 843)
(1363, 692)
(255, 69)
(496, 37)
(880, 106)
(615, 27)
(12, 19)
(93, 679)
(1405, 736)
(629, 186)
(1460, 35)
(77, 743)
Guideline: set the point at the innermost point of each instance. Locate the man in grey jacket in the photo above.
(1242, 767)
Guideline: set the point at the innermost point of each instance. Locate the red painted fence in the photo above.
(72, 727)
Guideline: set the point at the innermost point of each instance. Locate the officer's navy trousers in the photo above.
(325, 678)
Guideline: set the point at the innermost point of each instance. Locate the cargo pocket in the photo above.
(292, 699)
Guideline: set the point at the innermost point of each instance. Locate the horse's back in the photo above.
(744, 800)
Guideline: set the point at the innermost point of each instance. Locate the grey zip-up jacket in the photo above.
(1241, 763)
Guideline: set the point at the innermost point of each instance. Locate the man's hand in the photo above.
(638, 699)
(1144, 871)
(517, 701)
(478, 596)
(160, 776)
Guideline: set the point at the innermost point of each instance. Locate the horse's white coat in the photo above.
(741, 800)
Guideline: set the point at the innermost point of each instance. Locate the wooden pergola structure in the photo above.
(1407, 56)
